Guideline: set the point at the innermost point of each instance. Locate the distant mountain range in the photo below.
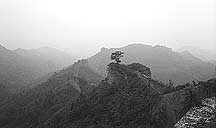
(180, 67)
(85, 94)
(53, 56)
(21, 67)
(204, 54)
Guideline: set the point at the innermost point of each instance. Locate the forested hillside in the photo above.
(126, 99)
(36, 105)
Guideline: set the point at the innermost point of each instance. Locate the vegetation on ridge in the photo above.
(125, 100)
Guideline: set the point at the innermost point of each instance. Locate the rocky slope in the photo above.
(203, 116)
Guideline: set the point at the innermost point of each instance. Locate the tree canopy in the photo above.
(116, 56)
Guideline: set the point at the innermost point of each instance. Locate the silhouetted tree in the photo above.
(116, 56)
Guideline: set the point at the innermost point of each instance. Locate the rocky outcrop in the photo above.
(117, 73)
(128, 97)
(141, 68)
(202, 116)
(180, 102)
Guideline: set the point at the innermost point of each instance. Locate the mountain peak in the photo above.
(104, 49)
(138, 45)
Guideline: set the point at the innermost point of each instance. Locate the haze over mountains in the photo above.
(58, 58)
(75, 97)
(64, 90)
(42, 102)
(180, 67)
(107, 64)
(204, 54)
(20, 67)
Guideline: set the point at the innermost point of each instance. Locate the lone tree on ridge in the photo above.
(116, 56)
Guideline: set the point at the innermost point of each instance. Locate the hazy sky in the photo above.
(84, 26)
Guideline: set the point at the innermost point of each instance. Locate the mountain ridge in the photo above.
(204, 54)
(126, 99)
(31, 67)
(165, 63)
(39, 103)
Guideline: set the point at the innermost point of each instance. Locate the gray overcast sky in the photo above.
(84, 26)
